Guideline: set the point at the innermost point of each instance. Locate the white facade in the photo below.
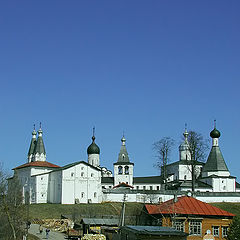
(87, 182)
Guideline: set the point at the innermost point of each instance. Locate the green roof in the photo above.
(39, 146)
(32, 146)
(215, 161)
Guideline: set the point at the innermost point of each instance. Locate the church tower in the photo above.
(184, 152)
(123, 168)
(39, 151)
(215, 164)
(93, 152)
(32, 146)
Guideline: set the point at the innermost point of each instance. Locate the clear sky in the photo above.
(142, 67)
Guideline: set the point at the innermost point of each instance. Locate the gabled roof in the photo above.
(76, 163)
(154, 230)
(185, 162)
(38, 164)
(123, 185)
(187, 206)
(215, 161)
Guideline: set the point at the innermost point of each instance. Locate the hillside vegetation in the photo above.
(94, 210)
(46, 211)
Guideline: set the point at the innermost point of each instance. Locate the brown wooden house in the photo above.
(189, 215)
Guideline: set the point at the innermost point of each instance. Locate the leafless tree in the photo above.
(198, 147)
(163, 149)
(12, 209)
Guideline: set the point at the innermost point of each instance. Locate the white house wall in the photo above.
(81, 183)
(55, 187)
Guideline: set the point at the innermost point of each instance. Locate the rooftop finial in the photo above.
(34, 127)
(93, 137)
(40, 125)
(185, 127)
(214, 123)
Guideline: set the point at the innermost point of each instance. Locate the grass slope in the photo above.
(48, 211)
(230, 207)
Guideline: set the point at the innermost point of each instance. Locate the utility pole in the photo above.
(122, 217)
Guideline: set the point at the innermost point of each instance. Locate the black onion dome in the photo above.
(93, 148)
(215, 133)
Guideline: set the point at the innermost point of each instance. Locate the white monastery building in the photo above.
(89, 182)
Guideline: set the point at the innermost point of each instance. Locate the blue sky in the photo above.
(142, 67)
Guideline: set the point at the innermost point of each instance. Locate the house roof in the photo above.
(107, 180)
(154, 230)
(123, 185)
(100, 221)
(187, 206)
(37, 164)
(152, 179)
(76, 163)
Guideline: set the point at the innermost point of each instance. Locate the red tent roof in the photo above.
(187, 206)
(123, 184)
(38, 164)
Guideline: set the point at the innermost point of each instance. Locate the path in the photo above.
(34, 229)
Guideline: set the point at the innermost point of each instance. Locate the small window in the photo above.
(151, 188)
(224, 231)
(72, 174)
(42, 195)
(185, 177)
(137, 187)
(41, 178)
(144, 187)
(109, 187)
(95, 194)
(195, 227)
(158, 188)
(126, 170)
(120, 170)
(126, 182)
(82, 174)
(82, 195)
(82, 168)
(179, 225)
(215, 231)
(92, 174)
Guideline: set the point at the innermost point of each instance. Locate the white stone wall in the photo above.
(126, 178)
(81, 183)
(147, 186)
(224, 184)
(93, 159)
(55, 187)
(42, 188)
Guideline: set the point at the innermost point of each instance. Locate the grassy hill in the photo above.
(230, 207)
(47, 211)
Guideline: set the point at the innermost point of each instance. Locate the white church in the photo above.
(89, 182)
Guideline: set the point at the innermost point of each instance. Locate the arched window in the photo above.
(120, 170)
(95, 194)
(126, 170)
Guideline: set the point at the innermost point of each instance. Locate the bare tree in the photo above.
(163, 148)
(12, 210)
(197, 147)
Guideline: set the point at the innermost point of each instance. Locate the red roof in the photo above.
(38, 164)
(187, 206)
(123, 184)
